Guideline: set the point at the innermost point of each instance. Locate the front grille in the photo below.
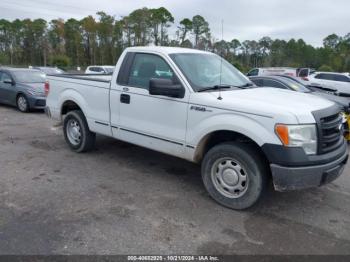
(330, 132)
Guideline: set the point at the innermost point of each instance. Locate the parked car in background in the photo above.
(296, 84)
(23, 88)
(290, 71)
(49, 70)
(100, 69)
(340, 81)
(320, 88)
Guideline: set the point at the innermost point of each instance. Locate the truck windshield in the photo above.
(208, 70)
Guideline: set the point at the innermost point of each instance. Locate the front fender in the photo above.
(259, 129)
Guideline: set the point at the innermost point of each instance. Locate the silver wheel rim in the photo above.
(73, 132)
(22, 103)
(229, 178)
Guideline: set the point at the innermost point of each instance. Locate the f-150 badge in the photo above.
(200, 108)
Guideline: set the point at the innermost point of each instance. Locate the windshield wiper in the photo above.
(246, 85)
(217, 87)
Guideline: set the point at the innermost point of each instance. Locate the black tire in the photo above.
(87, 138)
(251, 164)
(23, 108)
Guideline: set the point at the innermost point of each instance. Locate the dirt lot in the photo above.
(123, 199)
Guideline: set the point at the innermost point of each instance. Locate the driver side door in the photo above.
(7, 90)
(156, 122)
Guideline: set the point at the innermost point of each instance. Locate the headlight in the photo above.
(298, 136)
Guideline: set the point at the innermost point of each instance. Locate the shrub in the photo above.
(61, 61)
(325, 68)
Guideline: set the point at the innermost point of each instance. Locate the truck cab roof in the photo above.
(165, 50)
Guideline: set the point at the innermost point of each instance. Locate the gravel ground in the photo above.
(123, 199)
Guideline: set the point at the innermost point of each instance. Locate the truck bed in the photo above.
(91, 92)
(92, 77)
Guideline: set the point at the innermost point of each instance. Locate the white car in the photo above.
(47, 70)
(194, 105)
(95, 69)
(289, 71)
(339, 81)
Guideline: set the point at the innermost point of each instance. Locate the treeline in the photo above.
(101, 40)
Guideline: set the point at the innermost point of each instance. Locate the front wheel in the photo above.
(234, 174)
(77, 133)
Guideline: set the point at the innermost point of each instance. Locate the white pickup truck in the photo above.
(196, 106)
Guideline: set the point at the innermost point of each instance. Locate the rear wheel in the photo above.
(234, 174)
(22, 103)
(77, 133)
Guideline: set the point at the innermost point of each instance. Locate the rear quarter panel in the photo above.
(91, 96)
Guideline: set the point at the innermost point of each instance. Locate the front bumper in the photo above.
(293, 178)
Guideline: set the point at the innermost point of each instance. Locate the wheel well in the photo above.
(69, 106)
(18, 94)
(218, 137)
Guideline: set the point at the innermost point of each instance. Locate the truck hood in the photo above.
(271, 102)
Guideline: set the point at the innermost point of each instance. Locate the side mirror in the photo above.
(8, 82)
(166, 87)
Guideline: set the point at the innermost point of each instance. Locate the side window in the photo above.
(5, 77)
(253, 72)
(272, 83)
(341, 78)
(320, 76)
(96, 69)
(328, 77)
(258, 82)
(147, 66)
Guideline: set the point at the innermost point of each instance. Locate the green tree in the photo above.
(40, 43)
(56, 36)
(101, 40)
(200, 28)
(73, 41)
(61, 61)
(89, 28)
(139, 27)
(331, 41)
(325, 68)
(6, 40)
(160, 19)
(105, 29)
(235, 44)
(185, 27)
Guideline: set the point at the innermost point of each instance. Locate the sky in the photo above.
(311, 20)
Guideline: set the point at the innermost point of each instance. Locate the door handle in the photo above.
(125, 99)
